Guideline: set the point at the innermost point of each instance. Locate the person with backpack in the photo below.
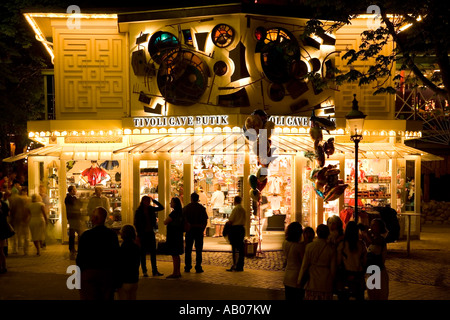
(175, 230)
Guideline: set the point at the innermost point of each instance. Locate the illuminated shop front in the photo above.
(159, 103)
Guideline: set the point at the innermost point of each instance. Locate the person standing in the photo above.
(196, 218)
(38, 221)
(175, 230)
(238, 218)
(294, 251)
(217, 202)
(98, 259)
(351, 261)
(376, 256)
(145, 222)
(73, 214)
(130, 260)
(98, 200)
(318, 267)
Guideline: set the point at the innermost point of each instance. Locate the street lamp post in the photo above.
(355, 123)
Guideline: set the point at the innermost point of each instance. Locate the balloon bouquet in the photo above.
(258, 129)
(325, 179)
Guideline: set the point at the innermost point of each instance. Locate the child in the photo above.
(130, 262)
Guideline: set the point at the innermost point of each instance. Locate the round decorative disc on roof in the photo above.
(161, 44)
(279, 52)
(222, 35)
(182, 77)
(220, 68)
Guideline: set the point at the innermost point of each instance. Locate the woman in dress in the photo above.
(38, 221)
(175, 230)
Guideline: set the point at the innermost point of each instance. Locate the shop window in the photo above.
(217, 180)
(374, 182)
(85, 175)
(52, 191)
(307, 196)
(410, 185)
(276, 196)
(176, 180)
(148, 170)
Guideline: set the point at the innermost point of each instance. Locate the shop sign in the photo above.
(292, 121)
(180, 121)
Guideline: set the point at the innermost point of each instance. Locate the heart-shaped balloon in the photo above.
(261, 184)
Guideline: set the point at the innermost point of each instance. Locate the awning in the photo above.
(83, 152)
(43, 151)
(221, 143)
(232, 143)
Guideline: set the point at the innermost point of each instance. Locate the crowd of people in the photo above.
(21, 217)
(336, 261)
(107, 267)
(319, 263)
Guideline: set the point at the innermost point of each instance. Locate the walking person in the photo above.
(46, 201)
(318, 267)
(351, 262)
(294, 251)
(195, 218)
(238, 218)
(97, 258)
(145, 222)
(20, 220)
(130, 260)
(376, 255)
(175, 231)
(38, 221)
(73, 214)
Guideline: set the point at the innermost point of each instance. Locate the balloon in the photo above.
(316, 134)
(320, 156)
(254, 122)
(253, 181)
(328, 147)
(262, 174)
(269, 126)
(261, 184)
(335, 192)
(254, 195)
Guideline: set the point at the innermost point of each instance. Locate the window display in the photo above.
(275, 209)
(148, 179)
(53, 193)
(176, 180)
(86, 175)
(218, 179)
(374, 182)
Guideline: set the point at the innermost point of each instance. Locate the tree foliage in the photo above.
(21, 83)
(419, 28)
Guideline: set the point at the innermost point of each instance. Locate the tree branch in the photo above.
(408, 59)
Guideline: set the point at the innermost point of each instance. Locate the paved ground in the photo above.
(424, 275)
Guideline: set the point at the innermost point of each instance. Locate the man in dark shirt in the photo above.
(98, 255)
(73, 214)
(196, 217)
